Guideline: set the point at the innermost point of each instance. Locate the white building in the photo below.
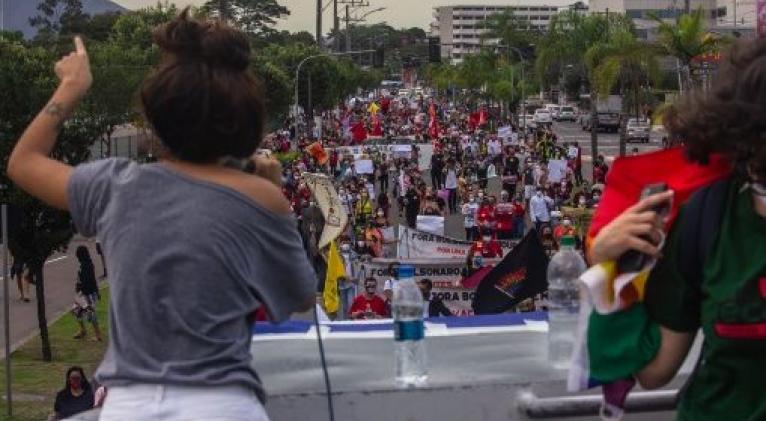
(460, 27)
(642, 10)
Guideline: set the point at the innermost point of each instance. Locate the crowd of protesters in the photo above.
(540, 179)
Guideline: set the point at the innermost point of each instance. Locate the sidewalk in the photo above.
(60, 277)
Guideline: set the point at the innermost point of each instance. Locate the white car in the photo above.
(554, 109)
(543, 116)
(566, 113)
(638, 129)
(527, 120)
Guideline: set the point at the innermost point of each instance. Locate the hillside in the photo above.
(18, 12)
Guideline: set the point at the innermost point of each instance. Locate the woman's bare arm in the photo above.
(671, 355)
(30, 165)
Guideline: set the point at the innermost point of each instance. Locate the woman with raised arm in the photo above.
(193, 246)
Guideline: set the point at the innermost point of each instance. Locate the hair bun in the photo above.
(207, 41)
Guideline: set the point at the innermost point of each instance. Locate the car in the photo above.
(554, 109)
(566, 113)
(638, 129)
(543, 116)
(527, 120)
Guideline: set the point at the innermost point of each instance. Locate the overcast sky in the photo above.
(398, 13)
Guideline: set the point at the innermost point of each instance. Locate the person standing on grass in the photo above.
(183, 284)
(22, 280)
(75, 397)
(86, 294)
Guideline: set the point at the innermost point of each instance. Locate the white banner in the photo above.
(335, 217)
(363, 166)
(415, 244)
(430, 223)
(395, 150)
(445, 275)
(504, 132)
(557, 170)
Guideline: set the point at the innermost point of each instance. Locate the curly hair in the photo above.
(730, 118)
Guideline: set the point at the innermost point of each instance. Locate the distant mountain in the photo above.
(17, 12)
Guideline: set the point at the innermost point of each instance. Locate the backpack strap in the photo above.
(699, 228)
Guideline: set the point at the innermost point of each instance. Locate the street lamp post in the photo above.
(6, 299)
(298, 73)
(523, 82)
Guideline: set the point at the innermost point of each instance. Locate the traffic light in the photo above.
(434, 50)
(378, 58)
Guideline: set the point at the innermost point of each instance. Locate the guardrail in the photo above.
(567, 406)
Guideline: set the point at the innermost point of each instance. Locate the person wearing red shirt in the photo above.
(518, 218)
(368, 305)
(504, 217)
(565, 229)
(485, 215)
(487, 246)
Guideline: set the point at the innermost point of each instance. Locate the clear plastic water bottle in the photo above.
(409, 333)
(563, 302)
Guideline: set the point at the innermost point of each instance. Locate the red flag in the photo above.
(629, 175)
(377, 128)
(317, 151)
(359, 132)
(473, 120)
(482, 117)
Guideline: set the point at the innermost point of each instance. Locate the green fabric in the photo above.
(730, 383)
(620, 344)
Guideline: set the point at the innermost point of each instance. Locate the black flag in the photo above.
(520, 275)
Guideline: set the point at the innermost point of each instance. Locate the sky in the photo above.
(398, 13)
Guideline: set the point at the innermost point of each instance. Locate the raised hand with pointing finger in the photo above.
(73, 70)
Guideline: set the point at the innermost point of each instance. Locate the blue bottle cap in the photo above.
(406, 271)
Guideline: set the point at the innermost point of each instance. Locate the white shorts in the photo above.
(148, 402)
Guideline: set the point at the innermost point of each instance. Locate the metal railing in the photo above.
(568, 406)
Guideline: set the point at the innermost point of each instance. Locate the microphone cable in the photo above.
(327, 385)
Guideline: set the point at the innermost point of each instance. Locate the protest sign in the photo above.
(417, 244)
(445, 274)
(504, 132)
(431, 223)
(557, 170)
(363, 166)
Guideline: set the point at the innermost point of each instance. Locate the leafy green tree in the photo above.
(623, 61)
(134, 29)
(256, 17)
(58, 17)
(686, 40)
(36, 230)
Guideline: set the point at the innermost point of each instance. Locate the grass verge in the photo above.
(34, 382)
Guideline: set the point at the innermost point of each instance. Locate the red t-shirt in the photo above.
(504, 215)
(485, 215)
(375, 305)
(489, 249)
(518, 210)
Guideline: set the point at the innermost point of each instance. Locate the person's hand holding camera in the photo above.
(626, 231)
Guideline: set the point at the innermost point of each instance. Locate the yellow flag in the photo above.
(335, 270)
(373, 108)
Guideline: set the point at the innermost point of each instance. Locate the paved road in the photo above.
(608, 143)
(60, 277)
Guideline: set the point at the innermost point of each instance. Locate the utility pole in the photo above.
(319, 23)
(348, 29)
(336, 24)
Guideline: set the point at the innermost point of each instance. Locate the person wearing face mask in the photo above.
(363, 207)
(469, 218)
(485, 215)
(412, 206)
(75, 397)
(540, 209)
(564, 229)
(368, 305)
(719, 288)
(432, 306)
(487, 247)
(504, 216)
(347, 285)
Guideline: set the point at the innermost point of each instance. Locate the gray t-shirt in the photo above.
(189, 261)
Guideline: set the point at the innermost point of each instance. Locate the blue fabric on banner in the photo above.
(507, 319)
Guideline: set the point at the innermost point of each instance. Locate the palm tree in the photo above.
(686, 40)
(625, 61)
(569, 35)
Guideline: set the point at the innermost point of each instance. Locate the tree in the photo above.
(510, 30)
(134, 29)
(687, 40)
(36, 230)
(569, 35)
(625, 61)
(58, 17)
(256, 17)
(99, 27)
